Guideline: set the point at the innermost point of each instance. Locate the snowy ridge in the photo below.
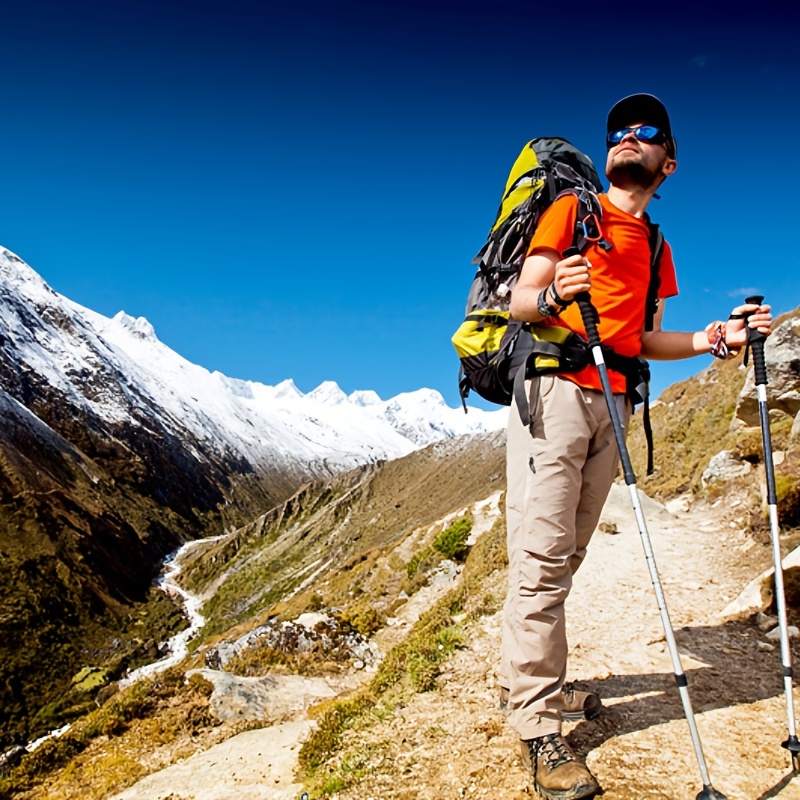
(117, 369)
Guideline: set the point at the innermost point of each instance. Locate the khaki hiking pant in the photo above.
(560, 471)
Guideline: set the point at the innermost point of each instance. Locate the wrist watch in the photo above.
(543, 307)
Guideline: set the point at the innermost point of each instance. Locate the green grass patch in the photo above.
(327, 737)
(413, 663)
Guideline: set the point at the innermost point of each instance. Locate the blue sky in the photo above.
(298, 192)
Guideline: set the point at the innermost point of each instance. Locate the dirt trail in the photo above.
(454, 743)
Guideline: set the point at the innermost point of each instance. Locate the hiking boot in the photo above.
(577, 704)
(558, 774)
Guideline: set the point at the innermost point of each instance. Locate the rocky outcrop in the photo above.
(323, 634)
(271, 698)
(782, 354)
(724, 466)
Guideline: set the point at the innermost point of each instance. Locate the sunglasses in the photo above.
(643, 133)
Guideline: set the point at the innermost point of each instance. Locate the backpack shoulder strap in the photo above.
(656, 249)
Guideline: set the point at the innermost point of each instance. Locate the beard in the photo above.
(629, 171)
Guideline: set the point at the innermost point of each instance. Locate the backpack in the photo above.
(497, 352)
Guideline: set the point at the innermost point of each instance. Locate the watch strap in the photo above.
(544, 308)
(559, 302)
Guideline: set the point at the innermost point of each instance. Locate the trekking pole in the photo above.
(590, 320)
(755, 343)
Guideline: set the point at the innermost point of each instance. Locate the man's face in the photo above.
(644, 164)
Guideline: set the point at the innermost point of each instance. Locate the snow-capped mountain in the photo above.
(114, 450)
(116, 370)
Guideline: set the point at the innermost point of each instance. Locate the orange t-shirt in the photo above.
(620, 279)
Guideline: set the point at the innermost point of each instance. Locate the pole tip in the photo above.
(709, 793)
(792, 744)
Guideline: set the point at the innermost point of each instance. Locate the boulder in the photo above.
(759, 594)
(782, 354)
(724, 466)
(267, 699)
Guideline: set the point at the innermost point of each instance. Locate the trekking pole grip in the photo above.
(589, 317)
(755, 341)
(588, 311)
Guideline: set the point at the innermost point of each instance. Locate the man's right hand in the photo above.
(572, 277)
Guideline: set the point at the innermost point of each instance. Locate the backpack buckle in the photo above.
(590, 226)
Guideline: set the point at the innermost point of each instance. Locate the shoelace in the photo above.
(555, 750)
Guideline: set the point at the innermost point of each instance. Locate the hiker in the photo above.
(563, 458)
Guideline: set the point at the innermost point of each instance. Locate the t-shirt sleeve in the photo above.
(666, 269)
(556, 226)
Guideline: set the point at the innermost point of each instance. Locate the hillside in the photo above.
(351, 639)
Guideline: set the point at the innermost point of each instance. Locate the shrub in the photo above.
(416, 560)
(452, 542)
(362, 618)
(316, 602)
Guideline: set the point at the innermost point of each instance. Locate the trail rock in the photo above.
(616, 513)
(273, 697)
(765, 622)
(791, 631)
(724, 466)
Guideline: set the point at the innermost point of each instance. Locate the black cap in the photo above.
(641, 108)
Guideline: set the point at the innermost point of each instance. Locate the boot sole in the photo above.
(577, 793)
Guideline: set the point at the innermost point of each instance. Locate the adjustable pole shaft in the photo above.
(590, 321)
(755, 341)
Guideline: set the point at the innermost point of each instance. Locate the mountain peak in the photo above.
(286, 390)
(139, 326)
(328, 393)
(118, 369)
